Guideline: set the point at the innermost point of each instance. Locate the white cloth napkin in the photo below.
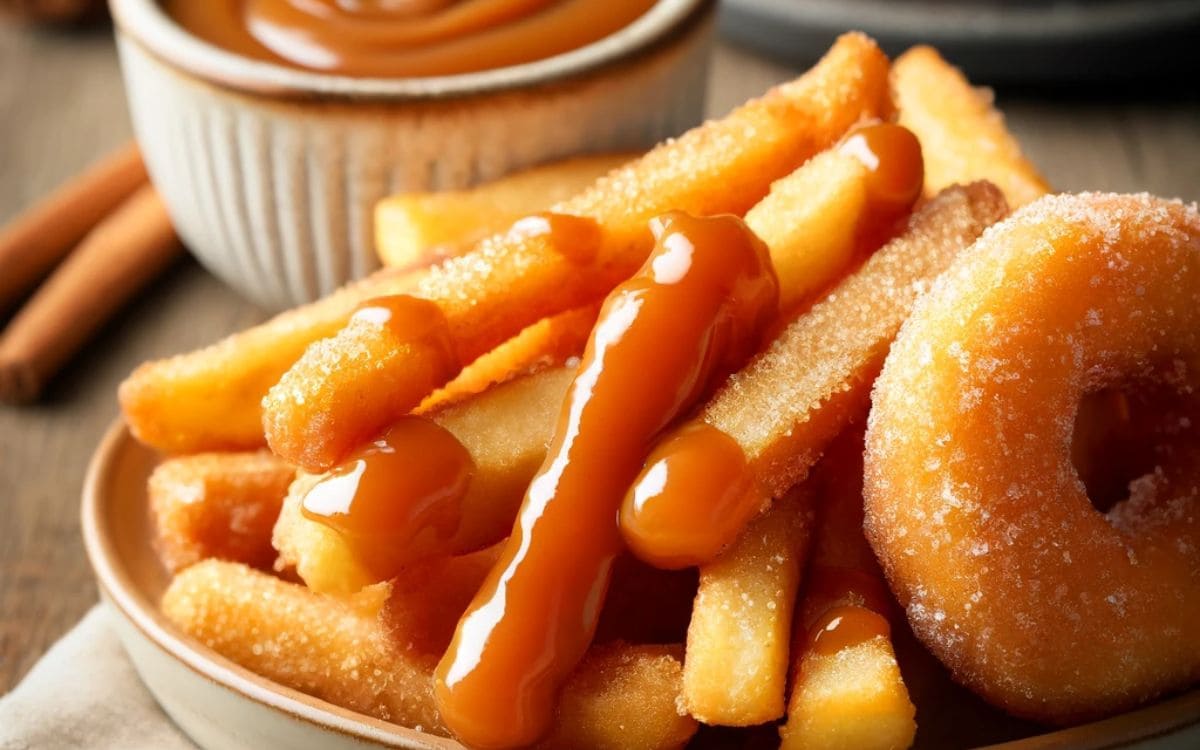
(84, 693)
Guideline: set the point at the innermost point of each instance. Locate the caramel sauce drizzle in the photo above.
(403, 38)
(694, 311)
(576, 238)
(696, 490)
(396, 498)
(693, 496)
(846, 626)
(896, 169)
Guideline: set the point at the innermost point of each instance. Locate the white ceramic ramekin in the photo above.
(223, 706)
(271, 173)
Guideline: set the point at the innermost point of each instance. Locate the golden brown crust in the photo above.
(513, 280)
(221, 505)
(1009, 575)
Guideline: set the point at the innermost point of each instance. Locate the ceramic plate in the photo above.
(222, 705)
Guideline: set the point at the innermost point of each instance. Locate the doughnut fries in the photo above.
(745, 602)
(344, 389)
(847, 690)
(413, 228)
(966, 135)
(221, 505)
(600, 479)
(505, 429)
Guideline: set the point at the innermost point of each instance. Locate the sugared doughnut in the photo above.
(1008, 573)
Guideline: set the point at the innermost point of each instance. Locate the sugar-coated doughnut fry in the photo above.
(325, 646)
(762, 431)
(428, 597)
(736, 668)
(348, 654)
(622, 697)
(550, 342)
(815, 377)
(220, 505)
(415, 228)
(812, 250)
(963, 135)
(1034, 599)
(316, 553)
(505, 429)
(569, 258)
(847, 691)
(838, 206)
(211, 399)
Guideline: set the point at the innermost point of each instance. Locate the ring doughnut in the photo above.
(1009, 574)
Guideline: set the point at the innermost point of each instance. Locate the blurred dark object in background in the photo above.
(61, 12)
(1022, 42)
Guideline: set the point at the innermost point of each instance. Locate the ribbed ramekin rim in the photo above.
(148, 25)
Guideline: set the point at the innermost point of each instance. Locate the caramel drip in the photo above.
(397, 497)
(576, 238)
(390, 38)
(892, 156)
(844, 627)
(691, 499)
(694, 311)
(695, 493)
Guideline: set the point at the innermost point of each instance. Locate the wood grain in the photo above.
(61, 106)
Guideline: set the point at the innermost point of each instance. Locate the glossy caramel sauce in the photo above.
(576, 238)
(694, 311)
(892, 156)
(703, 465)
(695, 492)
(413, 323)
(396, 497)
(403, 38)
(846, 626)
(417, 321)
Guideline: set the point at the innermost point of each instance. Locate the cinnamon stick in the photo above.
(34, 242)
(125, 251)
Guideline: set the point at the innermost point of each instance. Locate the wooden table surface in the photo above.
(62, 105)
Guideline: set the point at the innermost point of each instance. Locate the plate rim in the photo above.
(1168, 715)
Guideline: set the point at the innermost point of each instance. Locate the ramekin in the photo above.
(271, 173)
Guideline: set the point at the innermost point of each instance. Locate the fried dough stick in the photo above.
(778, 412)
(963, 135)
(550, 342)
(220, 505)
(816, 221)
(345, 389)
(505, 429)
(815, 377)
(328, 647)
(735, 670)
(782, 409)
(847, 691)
(211, 399)
(413, 227)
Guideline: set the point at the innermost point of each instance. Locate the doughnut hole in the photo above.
(1123, 433)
